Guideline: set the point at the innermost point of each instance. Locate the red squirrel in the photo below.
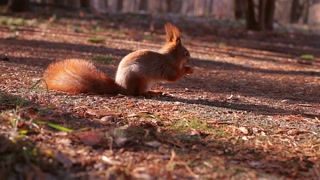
(136, 73)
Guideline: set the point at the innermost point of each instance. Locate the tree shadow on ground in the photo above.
(44, 52)
(26, 151)
(223, 77)
(19, 156)
(216, 65)
(293, 44)
(283, 45)
(249, 54)
(25, 158)
(204, 148)
(257, 109)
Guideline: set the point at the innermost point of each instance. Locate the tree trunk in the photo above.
(18, 5)
(239, 9)
(3, 2)
(85, 4)
(270, 9)
(266, 9)
(143, 6)
(262, 14)
(296, 10)
(119, 5)
(173, 6)
(305, 11)
(210, 9)
(250, 16)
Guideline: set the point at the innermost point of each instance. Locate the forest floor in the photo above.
(250, 110)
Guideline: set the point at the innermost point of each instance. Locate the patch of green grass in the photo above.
(221, 44)
(179, 126)
(32, 22)
(16, 21)
(120, 33)
(55, 126)
(183, 125)
(149, 36)
(196, 124)
(20, 102)
(36, 88)
(97, 40)
(106, 59)
(306, 59)
(99, 29)
(218, 133)
(70, 26)
(75, 28)
(307, 56)
(13, 23)
(3, 20)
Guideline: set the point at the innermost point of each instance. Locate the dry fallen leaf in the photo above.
(89, 138)
(132, 115)
(106, 119)
(293, 118)
(153, 143)
(110, 161)
(120, 141)
(244, 130)
(245, 138)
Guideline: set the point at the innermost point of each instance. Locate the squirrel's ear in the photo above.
(173, 34)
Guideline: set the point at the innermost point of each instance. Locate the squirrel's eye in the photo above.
(187, 54)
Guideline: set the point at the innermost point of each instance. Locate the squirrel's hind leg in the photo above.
(135, 86)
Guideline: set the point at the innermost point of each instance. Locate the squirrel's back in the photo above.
(78, 76)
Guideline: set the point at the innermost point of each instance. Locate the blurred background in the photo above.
(256, 15)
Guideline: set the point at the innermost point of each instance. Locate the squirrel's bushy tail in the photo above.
(78, 76)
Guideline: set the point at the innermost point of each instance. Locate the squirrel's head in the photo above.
(174, 45)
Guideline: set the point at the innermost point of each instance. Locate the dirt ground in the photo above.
(250, 110)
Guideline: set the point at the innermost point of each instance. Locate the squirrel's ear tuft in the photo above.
(173, 34)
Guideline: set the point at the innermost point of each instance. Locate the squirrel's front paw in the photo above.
(188, 70)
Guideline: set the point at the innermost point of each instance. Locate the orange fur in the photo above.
(136, 73)
(78, 76)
